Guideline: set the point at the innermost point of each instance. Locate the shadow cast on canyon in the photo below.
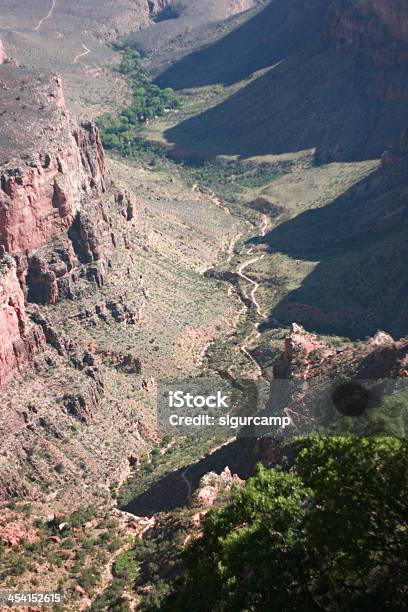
(315, 100)
(279, 30)
(359, 284)
(170, 492)
(315, 94)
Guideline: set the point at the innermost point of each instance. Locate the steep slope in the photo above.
(342, 91)
(63, 164)
(42, 192)
(183, 25)
(56, 240)
(277, 31)
(87, 324)
(19, 340)
(359, 239)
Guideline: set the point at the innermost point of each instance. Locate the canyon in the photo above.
(58, 237)
(74, 298)
(254, 233)
(49, 169)
(353, 51)
(56, 194)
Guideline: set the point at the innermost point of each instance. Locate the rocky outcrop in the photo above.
(82, 406)
(155, 6)
(14, 533)
(3, 55)
(47, 275)
(49, 167)
(212, 485)
(298, 355)
(307, 357)
(127, 204)
(19, 340)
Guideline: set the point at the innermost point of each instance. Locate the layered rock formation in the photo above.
(64, 226)
(53, 190)
(19, 340)
(62, 164)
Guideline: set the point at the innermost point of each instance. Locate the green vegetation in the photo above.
(68, 550)
(149, 101)
(155, 467)
(230, 179)
(330, 534)
(126, 567)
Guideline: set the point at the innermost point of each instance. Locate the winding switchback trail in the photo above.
(48, 15)
(255, 335)
(255, 285)
(77, 57)
(187, 483)
(242, 267)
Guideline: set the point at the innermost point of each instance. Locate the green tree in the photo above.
(330, 535)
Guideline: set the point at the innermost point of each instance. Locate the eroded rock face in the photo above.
(212, 485)
(83, 405)
(53, 192)
(3, 55)
(305, 356)
(49, 167)
(379, 30)
(19, 341)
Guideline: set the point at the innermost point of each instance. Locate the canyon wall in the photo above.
(378, 30)
(19, 340)
(43, 188)
(53, 190)
(367, 23)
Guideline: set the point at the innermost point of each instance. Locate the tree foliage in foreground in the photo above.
(329, 535)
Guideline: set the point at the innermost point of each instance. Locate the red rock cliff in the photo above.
(48, 167)
(19, 341)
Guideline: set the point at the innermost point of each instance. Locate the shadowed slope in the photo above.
(360, 284)
(341, 88)
(279, 30)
